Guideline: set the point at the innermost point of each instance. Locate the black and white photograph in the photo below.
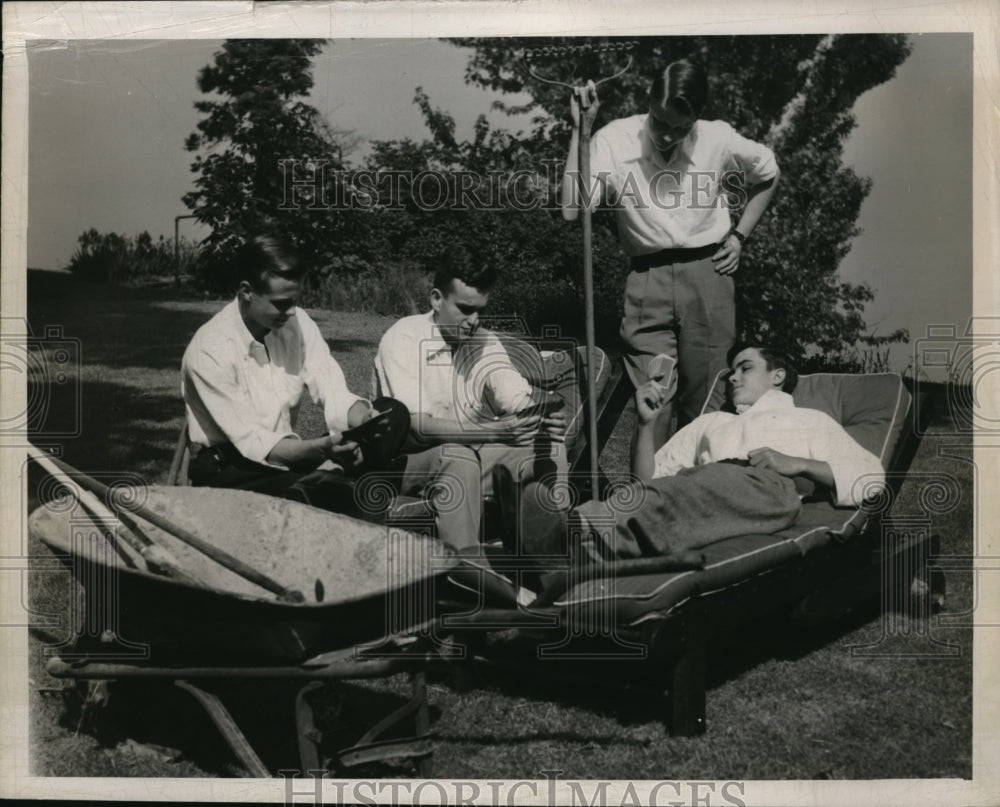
(498, 403)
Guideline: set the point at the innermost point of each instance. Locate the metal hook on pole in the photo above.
(587, 95)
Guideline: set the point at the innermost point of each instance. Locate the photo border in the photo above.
(24, 22)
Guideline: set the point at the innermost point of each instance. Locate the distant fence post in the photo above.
(177, 248)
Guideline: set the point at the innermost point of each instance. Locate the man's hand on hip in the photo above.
(727, 257)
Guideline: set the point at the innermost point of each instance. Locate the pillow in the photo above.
(872, 408)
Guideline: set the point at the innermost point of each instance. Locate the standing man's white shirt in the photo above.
(241, 391)
(680, 202)
(772, 422)
(415, 365)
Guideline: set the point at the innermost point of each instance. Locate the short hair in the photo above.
(682, 83)
(264, 257)
(472, 267)
(774, 359)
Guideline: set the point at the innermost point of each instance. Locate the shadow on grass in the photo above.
(348, 345)
(117, 326)
(158, 715)
(120, 428)
(636, 692)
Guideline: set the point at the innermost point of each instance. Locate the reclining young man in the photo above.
(467, 401)
(724, 474)
(247, 367)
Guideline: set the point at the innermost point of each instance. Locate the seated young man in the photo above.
(467, 401)
(722, 475)
(247, 367)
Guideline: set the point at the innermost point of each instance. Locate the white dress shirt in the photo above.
(773, 422)
(415, 365)
(239, 390)
(677, 203)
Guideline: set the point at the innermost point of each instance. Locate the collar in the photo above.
(772, 400)
(238, 328)
(435, 334)
(649, 147)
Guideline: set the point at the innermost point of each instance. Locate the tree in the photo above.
(513, 216)
(256, 119)
(794, 93)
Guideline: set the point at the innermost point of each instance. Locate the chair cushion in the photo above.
(633, 599)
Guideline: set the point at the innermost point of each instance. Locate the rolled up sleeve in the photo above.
(217, 404)
(496, 380)
(681, 450)
(755, 160)
(857, 473)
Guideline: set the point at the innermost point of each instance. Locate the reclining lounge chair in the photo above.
(833, 556)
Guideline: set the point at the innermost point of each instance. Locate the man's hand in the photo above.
(727, 258)
(649, 399)
(776, 461)
(517, 431)
(585, 96)
(345, 454)
(554, 425)
(360, 411)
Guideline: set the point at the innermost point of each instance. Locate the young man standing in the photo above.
(467, 401)
(247, 367)
(667, 174)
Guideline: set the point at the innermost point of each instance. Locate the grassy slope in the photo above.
(783, 704)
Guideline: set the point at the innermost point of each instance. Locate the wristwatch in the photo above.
(739, 236)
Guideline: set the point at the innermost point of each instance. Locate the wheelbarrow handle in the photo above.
(220, 556)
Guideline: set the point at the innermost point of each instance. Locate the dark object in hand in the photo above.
(381, 437)
(372, 429)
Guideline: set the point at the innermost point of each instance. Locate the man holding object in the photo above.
(471, 407)
(668, 175)
(244, 371)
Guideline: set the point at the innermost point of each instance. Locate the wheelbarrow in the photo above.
(362, 605)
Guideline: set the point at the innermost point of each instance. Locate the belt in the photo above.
(734, 461)
(640, 263)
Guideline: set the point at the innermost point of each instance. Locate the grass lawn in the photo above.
(783, 703)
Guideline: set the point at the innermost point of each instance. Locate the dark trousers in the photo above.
(698, 506)
(224, 467)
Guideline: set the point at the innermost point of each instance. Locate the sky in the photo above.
(108, 120)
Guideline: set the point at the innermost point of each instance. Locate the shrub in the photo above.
(389, 288)
(117, 259)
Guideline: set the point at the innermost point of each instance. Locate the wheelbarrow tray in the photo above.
(361, 581)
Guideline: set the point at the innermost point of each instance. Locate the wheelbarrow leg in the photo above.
(687, 692)
(418, 683)
(309, 735)
(227, 727)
